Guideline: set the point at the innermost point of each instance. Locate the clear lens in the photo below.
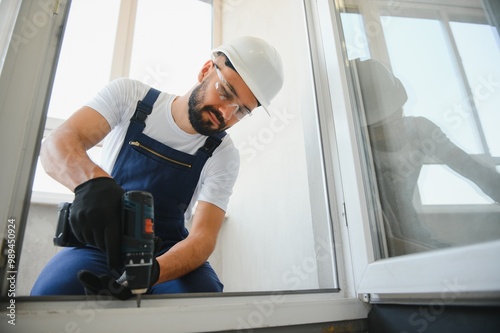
(226, 95)
(240, 113)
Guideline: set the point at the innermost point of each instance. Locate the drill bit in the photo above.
(138, 300)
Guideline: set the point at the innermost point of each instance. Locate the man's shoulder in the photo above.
(227, 149)
(125, 85)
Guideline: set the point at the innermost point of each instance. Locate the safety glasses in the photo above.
(226, 94)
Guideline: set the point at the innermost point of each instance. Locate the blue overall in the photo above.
(171, 176)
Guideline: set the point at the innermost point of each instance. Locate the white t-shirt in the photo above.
(117, 101)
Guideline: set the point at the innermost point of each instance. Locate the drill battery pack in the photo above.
(64, 235)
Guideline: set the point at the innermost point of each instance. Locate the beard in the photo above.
(196, 111)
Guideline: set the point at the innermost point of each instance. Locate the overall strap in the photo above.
(144, 107)
(212, 143)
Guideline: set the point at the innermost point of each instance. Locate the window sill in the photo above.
(213, 313)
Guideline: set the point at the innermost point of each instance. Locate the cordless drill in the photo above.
(137, 238)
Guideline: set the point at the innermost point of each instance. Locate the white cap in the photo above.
(258, 64)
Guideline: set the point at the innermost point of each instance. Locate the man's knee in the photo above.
(59, 276)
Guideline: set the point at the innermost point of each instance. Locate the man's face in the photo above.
(204, 125)
(220, 100)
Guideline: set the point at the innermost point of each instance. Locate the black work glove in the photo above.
(95, 217)
(106, 285)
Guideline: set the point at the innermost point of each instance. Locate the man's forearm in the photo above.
(64, 153)
(67, 162)
(183, 258)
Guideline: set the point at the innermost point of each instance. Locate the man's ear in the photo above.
(205, 70)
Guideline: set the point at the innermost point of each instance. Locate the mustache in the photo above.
(216, 113)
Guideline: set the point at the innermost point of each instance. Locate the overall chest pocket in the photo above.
(163, 154)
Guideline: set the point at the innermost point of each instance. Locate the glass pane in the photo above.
(427, 97)
(171, 41)
(428, 100)
(85, 60)
(84, 66)
(273, 218)
(477, 42)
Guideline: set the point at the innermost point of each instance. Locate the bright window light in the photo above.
(171, 41)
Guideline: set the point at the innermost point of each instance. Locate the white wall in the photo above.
(267, 242)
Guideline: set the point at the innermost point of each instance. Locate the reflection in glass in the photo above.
(428, 99)
(401, 146)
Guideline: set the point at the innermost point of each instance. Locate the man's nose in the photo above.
(227, 111)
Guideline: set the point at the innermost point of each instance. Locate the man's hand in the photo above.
(103, 285)
(95, 217)
(107, 285)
